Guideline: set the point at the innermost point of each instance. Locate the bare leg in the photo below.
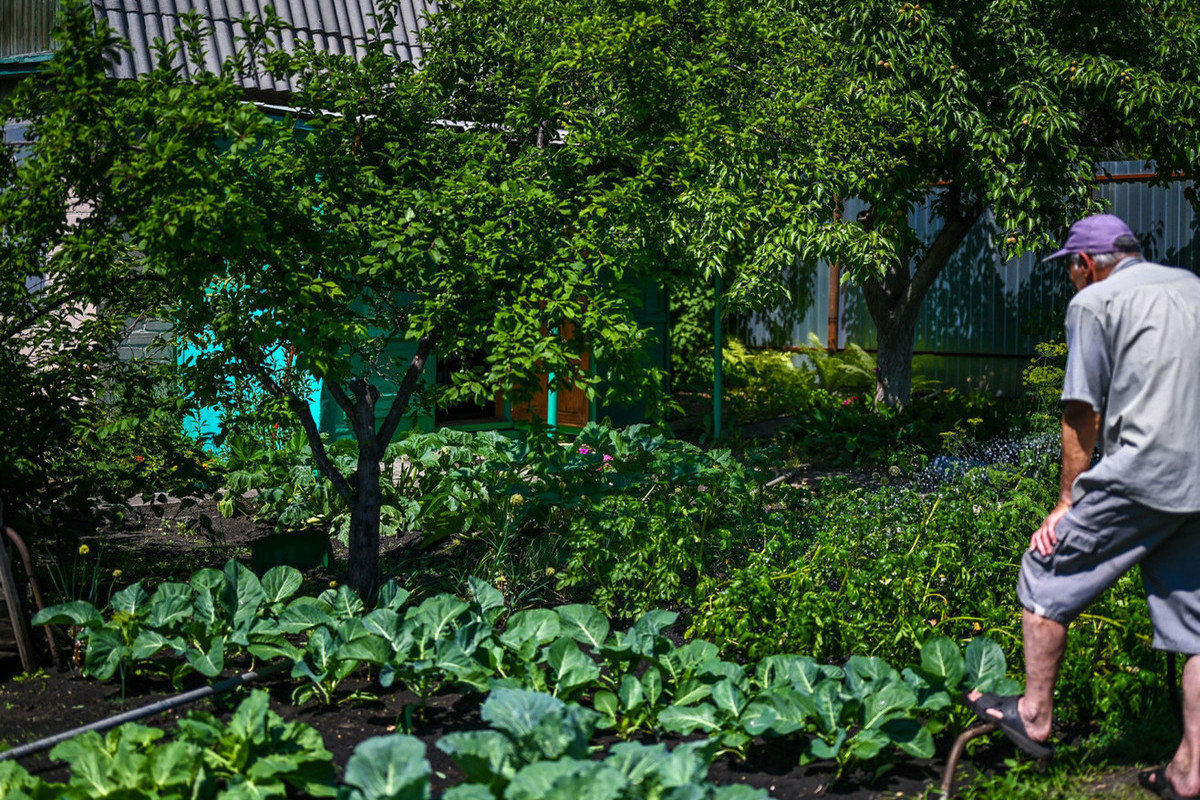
(1045, 642)
(1184, 769)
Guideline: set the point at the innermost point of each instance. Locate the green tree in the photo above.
(750, 124)
(80, 424)
(361, 234)
(732, 118)
(1006, 108)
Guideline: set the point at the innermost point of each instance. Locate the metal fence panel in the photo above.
(984, 315)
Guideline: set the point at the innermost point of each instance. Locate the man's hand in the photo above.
(1080, 427)
(1045, 538)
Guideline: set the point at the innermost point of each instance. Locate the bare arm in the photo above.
(1080, 428)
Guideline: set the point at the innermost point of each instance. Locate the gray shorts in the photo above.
(1102, 537)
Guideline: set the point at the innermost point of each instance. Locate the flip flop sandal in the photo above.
(1009, 722)
(1155, 780)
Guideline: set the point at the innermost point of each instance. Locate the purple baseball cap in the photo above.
(1096, 234)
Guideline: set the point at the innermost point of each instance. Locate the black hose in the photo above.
(145, 711)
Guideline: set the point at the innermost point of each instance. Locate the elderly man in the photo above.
(1133, 383)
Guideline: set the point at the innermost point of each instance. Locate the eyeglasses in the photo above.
(1075, 260)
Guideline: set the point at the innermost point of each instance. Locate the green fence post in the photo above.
(718, 367)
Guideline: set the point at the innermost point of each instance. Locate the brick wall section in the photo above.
(144, 338)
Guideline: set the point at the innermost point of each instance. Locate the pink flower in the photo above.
(608, 458)
(584, 449)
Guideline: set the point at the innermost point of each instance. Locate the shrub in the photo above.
(879, 573)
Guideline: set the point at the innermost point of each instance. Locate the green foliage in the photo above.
(850, 371)
(214, 616)
(820, 388)
(82, 426)
(692, 335)
(847, 431)
(1043, 381)
(255, 754)
(878, 573)
(316, 248)
(291, 491)
(625, 517)
(1007, 107)
(667, 513)
(537, 664)
(387, 768)
(881, 572)
(762, 384)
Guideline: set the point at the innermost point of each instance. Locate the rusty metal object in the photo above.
(960, 746)
(27, 562)
(12, 601)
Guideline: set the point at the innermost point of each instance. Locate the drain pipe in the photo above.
(146, 711)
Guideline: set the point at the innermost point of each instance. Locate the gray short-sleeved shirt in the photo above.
(1133, 353)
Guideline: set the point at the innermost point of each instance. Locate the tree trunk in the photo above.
(361, 493)
(363, 558)
(366, 497)
(363, 561)
(894, 300)
(893, 378)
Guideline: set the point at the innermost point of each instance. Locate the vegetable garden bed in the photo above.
(544, 681)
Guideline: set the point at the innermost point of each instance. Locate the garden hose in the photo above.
(146, 711)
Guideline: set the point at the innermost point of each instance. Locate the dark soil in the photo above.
(170, 542)
(50, 701)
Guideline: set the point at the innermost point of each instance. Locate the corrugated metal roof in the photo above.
(336, 26)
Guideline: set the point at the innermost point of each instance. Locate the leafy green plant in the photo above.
(850, 371)
(201, 623)
(763, 384)
(82, 427)
(387, 768)
(82, 579)
(1043, 381)
(291, 492)
(538, 663)
(255, 754)
(394, 768)
(878, 572)
(125, 763)
(526, 727)
(261, 752)
(651, 519)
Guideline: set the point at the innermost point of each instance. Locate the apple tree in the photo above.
(1005, 108)
(365, 220)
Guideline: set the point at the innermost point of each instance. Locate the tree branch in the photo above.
(958, 224)
(301, 409)
(15, 327)
(403, 392)
(341, 398)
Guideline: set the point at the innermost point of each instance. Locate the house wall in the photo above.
(25, 27)
(984, 315)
